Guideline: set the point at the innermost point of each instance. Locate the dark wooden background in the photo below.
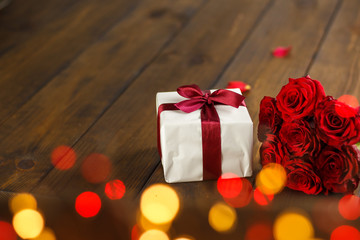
(85, 74)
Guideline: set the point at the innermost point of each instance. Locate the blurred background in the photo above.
(78, 80)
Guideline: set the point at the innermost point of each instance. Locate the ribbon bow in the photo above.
(199, 99)
(210, 122)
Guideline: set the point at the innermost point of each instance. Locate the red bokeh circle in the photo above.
(88, 204)
(63, 157)
(115, 189)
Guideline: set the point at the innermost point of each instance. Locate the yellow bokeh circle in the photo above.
(46, 234)
(222, 217)
(154, 235)
(293, 225)
(184, 238)
(159, 204)
(22, 201)
(271, 179)
(145, 224)
(28, 223)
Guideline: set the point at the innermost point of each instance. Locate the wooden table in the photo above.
(85, 74)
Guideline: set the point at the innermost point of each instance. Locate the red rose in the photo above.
(301, 177)
(299, 138)
(271, 151)
(339, 168)
(299, 97)
(337, 122)
(269, 118)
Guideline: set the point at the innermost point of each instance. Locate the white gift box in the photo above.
(181, 140)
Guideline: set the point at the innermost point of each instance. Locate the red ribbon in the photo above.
(210, 122)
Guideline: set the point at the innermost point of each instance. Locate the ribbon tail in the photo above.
(211, 142)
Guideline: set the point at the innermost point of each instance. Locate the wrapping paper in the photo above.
(181, 140)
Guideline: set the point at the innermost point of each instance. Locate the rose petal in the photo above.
(281, 52)
(238, 84)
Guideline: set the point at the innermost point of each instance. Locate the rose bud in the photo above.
(339, 168)
(299, 97)
(337, 123)
(271, 151)
(301, 177)
(299, 138)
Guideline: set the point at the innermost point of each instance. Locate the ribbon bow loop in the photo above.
(190, 91)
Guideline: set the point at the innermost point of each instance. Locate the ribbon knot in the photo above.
(210, 122)
(207, 98)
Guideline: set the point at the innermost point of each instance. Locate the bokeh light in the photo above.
(184, 238)
(271, 179)
(88, 204)
(96, 168)
(63, 157)
(345, 232)
(349, 207)
(244, 197)
(261, 198)
(7, 231)
(222, 217)
(293, 225)
(115, 189)
(259, 231)
(159, 204)
(135, 232)
(22, 201)
(46, 234)
(349, 100)
(28, 223)
(146, 225)
(229, 185)
(154, 235)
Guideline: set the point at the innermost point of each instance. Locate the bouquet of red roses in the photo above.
(312, 136)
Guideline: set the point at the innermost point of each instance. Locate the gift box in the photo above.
(195, 144)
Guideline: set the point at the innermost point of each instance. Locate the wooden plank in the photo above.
(62, 111)
(22, 19)
(127, 132)
(27, 68)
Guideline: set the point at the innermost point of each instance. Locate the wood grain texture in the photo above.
(30, 66)
(63, 110)
(337, 63)
(127, 133)
(23, 19)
